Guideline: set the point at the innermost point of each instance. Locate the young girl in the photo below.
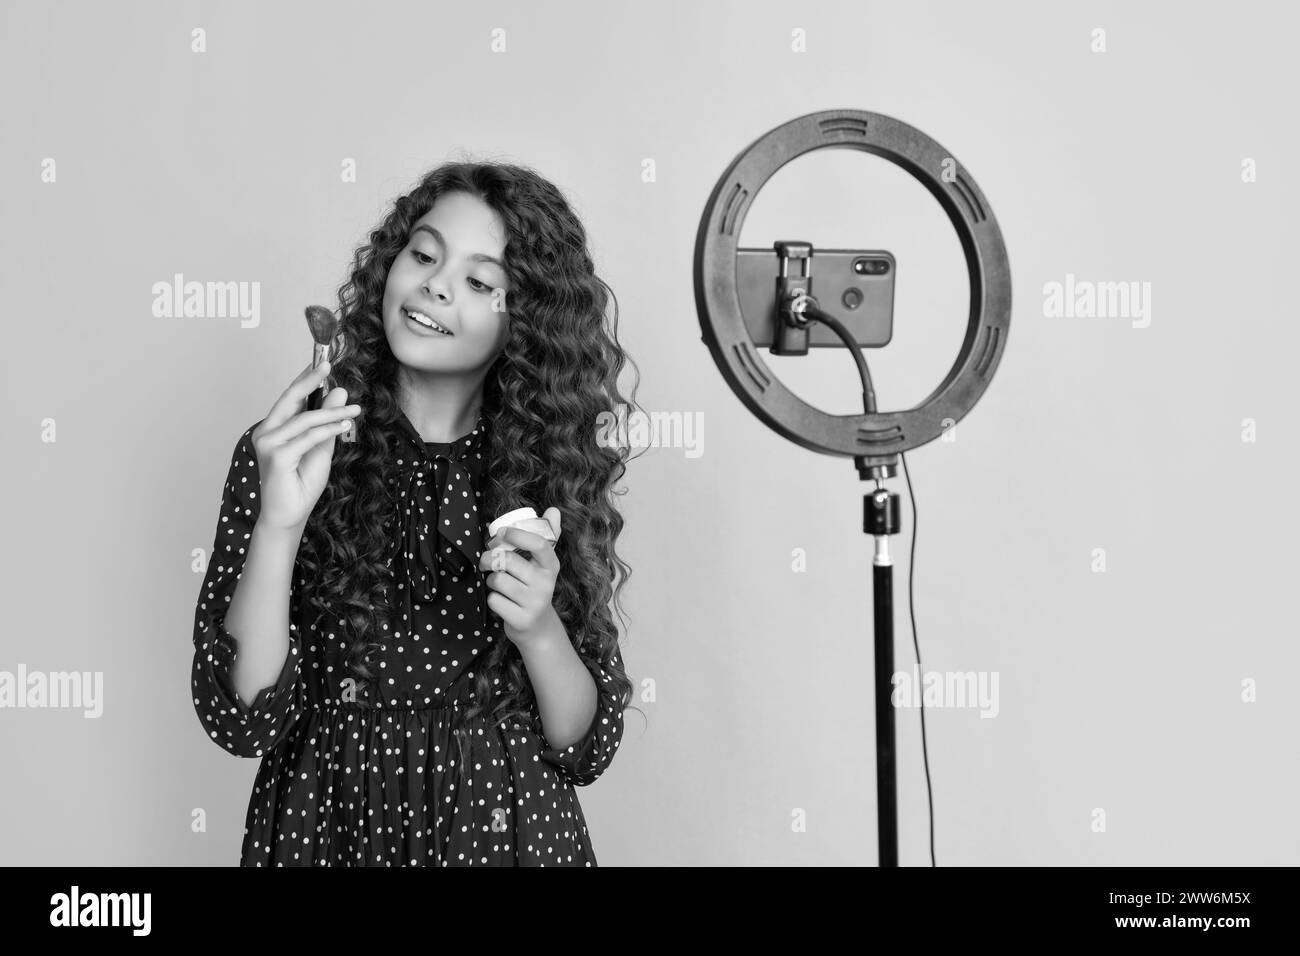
(475, 355)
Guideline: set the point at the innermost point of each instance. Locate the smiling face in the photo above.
(450, 271)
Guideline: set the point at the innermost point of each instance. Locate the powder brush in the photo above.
(324, 326)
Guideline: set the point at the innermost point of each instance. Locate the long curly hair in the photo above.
(542, 396)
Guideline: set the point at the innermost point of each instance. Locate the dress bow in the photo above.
(441, 533)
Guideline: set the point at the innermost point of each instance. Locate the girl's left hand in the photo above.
(522, 588)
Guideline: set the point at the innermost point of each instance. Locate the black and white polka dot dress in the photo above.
(342, 784)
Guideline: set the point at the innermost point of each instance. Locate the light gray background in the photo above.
(1118, 690)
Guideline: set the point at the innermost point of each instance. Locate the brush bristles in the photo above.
(323, 324)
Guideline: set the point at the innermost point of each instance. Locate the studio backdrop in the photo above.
(1104, 550)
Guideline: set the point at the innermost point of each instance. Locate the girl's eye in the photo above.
(420, 257)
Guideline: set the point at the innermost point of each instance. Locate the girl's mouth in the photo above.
(423, 324)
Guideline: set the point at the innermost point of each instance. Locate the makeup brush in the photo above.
(324, 326)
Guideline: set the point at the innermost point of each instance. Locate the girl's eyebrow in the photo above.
(477, 257)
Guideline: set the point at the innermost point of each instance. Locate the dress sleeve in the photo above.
(586, 760)
(243, 730)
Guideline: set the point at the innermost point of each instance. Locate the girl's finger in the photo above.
(508, 562)
(290, 401)
(505, 609)
(509, 586)
(552, 517)
(541, 549)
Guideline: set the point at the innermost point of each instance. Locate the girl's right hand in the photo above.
(295, 449)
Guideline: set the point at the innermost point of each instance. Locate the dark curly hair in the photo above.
(557, 372)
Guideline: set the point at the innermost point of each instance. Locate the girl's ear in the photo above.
(552, 517)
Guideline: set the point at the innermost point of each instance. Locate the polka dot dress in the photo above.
(341, 784)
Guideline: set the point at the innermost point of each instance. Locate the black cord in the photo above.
(814, 314)
(916, 646)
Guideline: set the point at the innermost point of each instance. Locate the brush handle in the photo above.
(316, 397)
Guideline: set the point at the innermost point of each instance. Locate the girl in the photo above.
(406, 629)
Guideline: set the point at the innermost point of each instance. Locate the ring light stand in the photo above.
(873, 439)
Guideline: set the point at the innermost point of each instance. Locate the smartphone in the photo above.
(854, 285)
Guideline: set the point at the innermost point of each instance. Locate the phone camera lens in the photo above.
(871, 267)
